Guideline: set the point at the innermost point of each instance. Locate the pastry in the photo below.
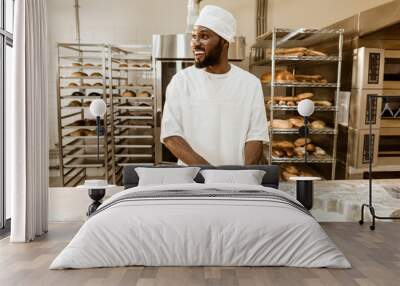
(297, 121)
(301, 142)
(305, 95)
(123, 65)
(86, 103)
(319, 152)
(144, 93)
(310, 147)
(324, 103)
(98, 84)
(282, 144)
(76, 64)
(318, 124)
(299, 151)
(96, 74)
(72, 84)
(94, 94)
(88, 65)
(79, 74)
(77, 93)
(277, 152)
(74, 103)
(282, 124)
(128, 93)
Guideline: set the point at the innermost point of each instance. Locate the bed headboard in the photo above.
(130, 178)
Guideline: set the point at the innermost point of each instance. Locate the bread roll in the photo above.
(291, 169)
(145, 66)
(324, 103)
(297, 121)
(97, 74)
(290, 51)
(299, 151)
(308, 78)
(88, 65)
(305, 173)
(280, 76)
(305, 95)
(310, 147)
(319, 152)
(94, 94)
(282, 144)
(136, 66)
(76, 64)
(286, 98)
(86, 84)
(282, 124)
(72, 84)
(300, 142)
(74, 103)
(266, 77)
(282, 102)
(277, 152)
(123, 65)
(128, 93)
(98, 84)
(79, 74)
(309, 52)
(289, 152)
(318, 124)
(77, 93)
(291, 103)
(144, 93)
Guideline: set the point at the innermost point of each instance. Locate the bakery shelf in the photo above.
(134, 117)
(134, 108)
(134, 126)
(94, 155)
(302, 84)
(82, 68)
(326, 130)
(123, 136)
(80, 97)
(310, 159)
(133, 146)
(290, 60)
(142, 87)
(133, 155)
(135, 69)
(294, 108)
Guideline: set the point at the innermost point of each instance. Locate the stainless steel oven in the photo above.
(172, 53)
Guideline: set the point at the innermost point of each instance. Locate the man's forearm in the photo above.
(252, 152)
(182, 150)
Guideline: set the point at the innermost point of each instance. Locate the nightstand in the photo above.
(305, 189)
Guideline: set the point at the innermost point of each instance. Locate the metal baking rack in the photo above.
(263, 55)
(132, 120)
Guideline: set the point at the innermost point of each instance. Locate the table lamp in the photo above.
(305, 108)
(98, 108)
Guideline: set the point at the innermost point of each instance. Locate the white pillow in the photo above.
(164, 176)
(248, 177)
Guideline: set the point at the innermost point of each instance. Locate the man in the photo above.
(214, 112)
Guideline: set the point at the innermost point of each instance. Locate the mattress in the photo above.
(201, 225)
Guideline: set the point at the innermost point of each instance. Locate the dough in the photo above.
(318, 124)
(280, 123)
(305, 95)
(128, 93)
(301, 142)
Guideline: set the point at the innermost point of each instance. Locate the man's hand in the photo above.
(252, 152)
(182, 150)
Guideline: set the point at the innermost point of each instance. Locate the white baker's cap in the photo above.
(218, 20)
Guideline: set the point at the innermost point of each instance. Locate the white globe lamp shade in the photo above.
(305, 107)
(98, 107)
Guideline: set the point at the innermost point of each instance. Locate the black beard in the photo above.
(212, 58)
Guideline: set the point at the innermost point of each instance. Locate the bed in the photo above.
(197, 224)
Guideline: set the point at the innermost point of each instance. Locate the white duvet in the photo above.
(200, 231)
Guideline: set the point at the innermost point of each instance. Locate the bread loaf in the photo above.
(286, 175)
(280, 76)
(289, 152)
(324, 103)
(86, 103)
(72, 84)
(291, 169)
(290, 103)
(79, 74)
(128, 93)
(282, 144)
(86, 84)
(305, 95)
(88, 65)
(297, 121)
(300, 142)
(318, 124)
(96, 74)
(282, 124)
(319, 152)
(310, 147)
(94, 94)
(74, 103)
(299, 151)
(98, 84)
(144, 93)
(77, 93)
(76, 64)
(145, 66)
(123, 65)
(277, 152)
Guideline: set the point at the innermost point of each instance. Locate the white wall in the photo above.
(314, 13)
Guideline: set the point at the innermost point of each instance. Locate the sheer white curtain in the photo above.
(27, 145)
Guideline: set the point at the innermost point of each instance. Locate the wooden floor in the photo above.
(375, 257)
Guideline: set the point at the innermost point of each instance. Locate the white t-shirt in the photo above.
(215, 113)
